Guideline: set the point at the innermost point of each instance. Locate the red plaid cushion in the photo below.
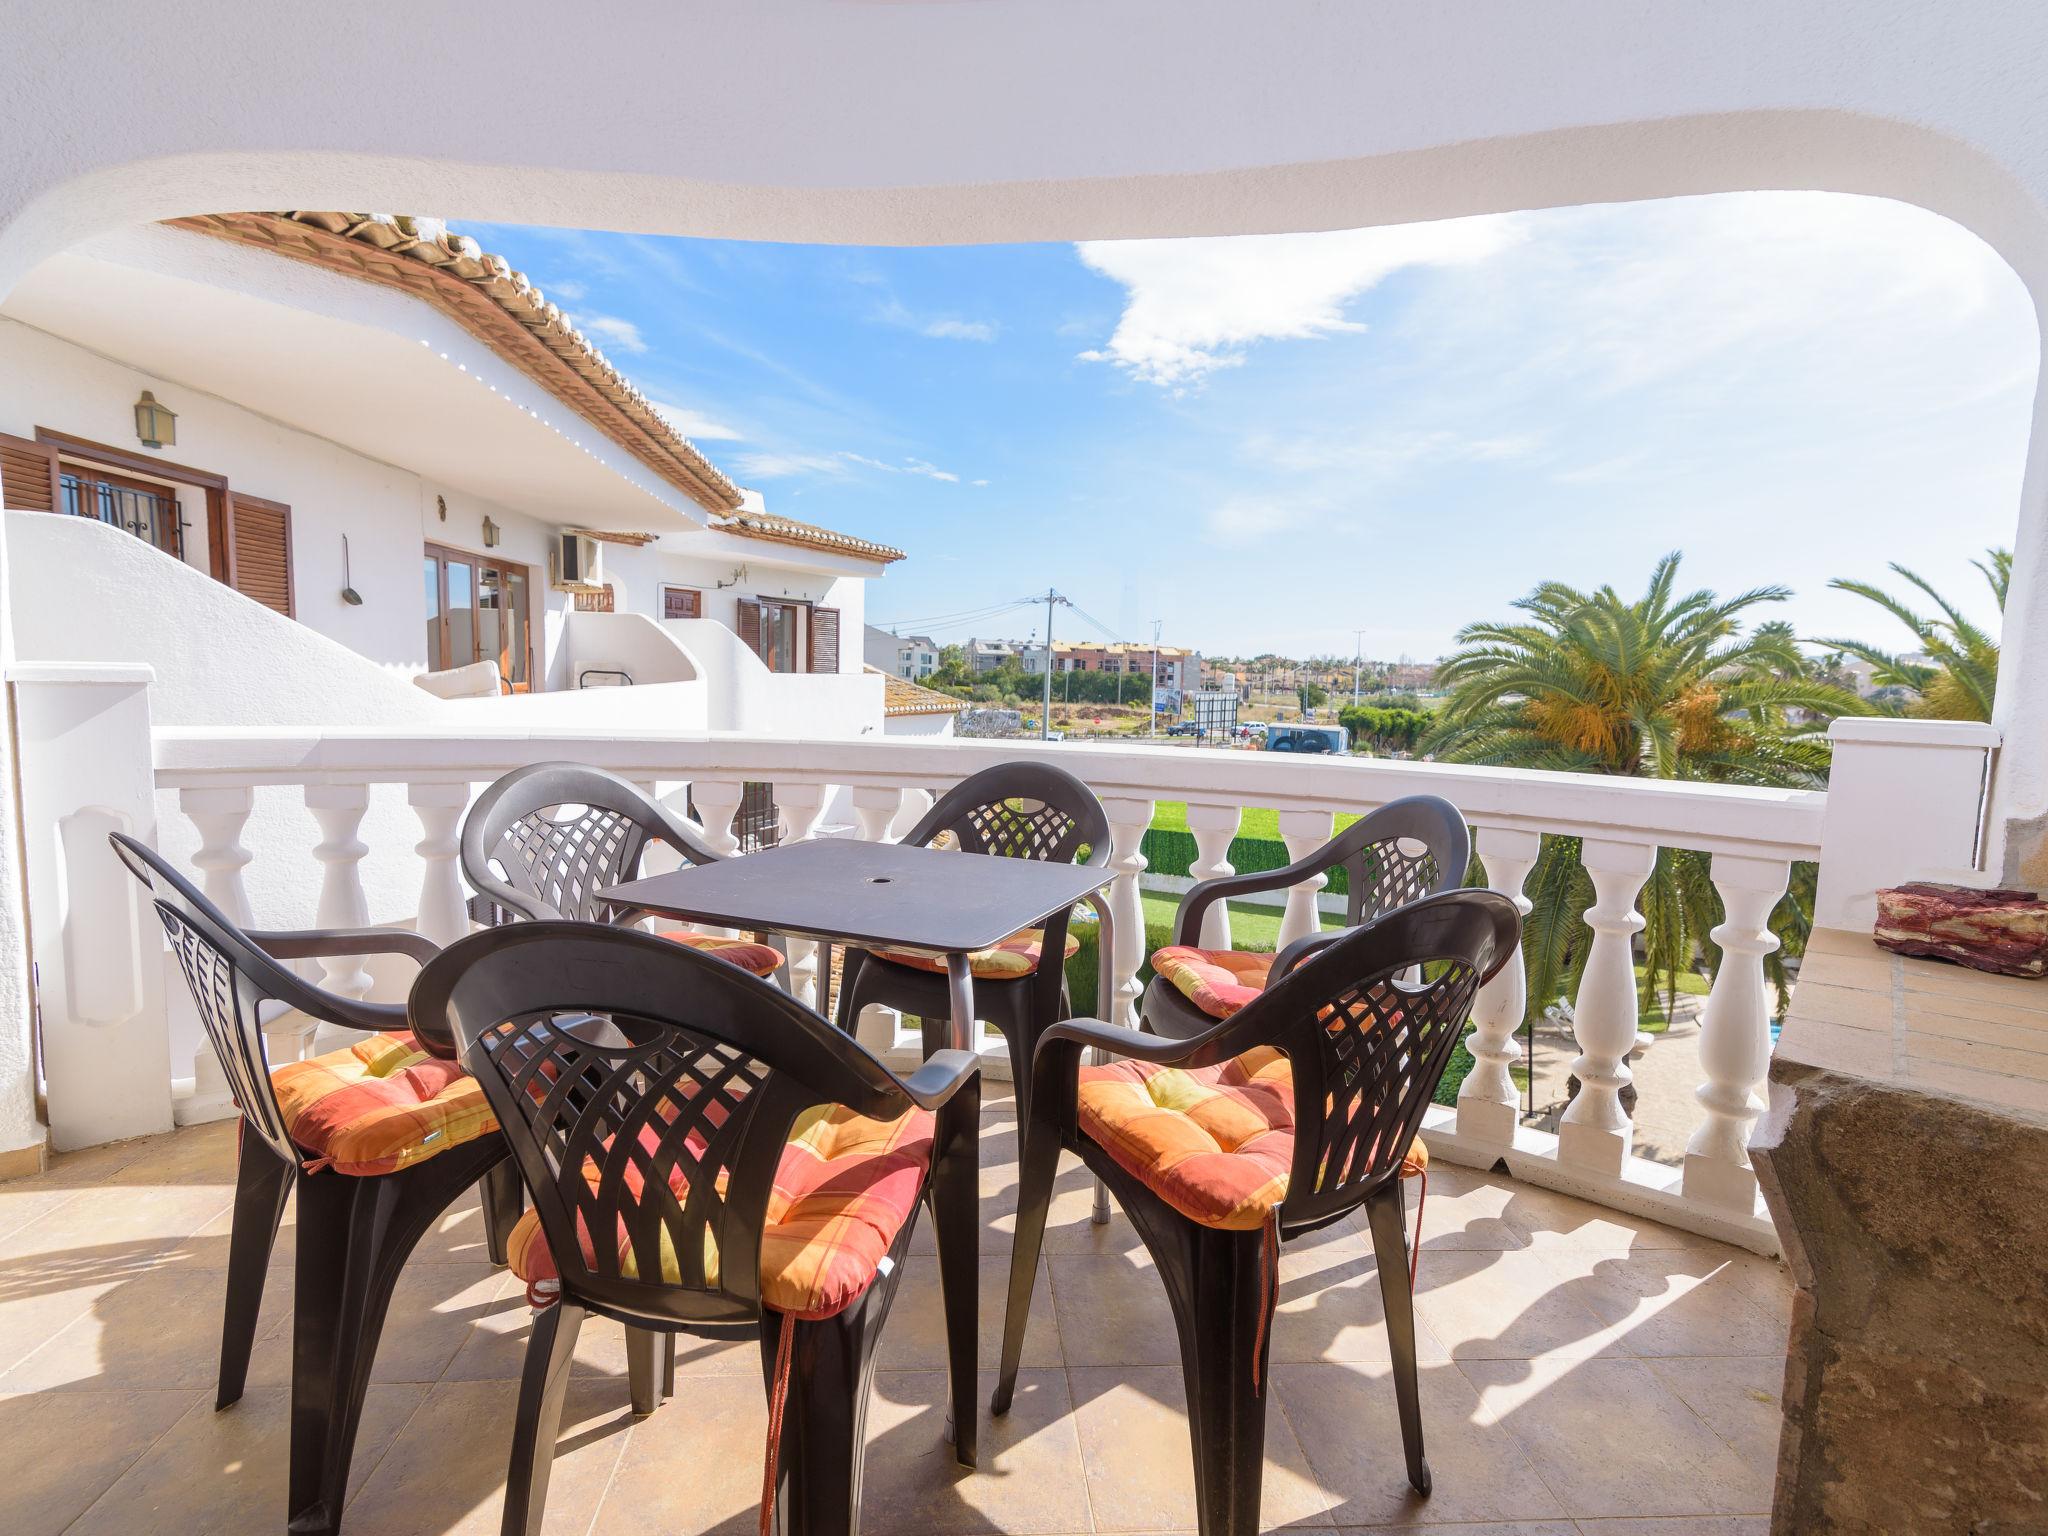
(744, 953)
(1217, 981)
(380, 1105)
(1015, 956)
(843, 1190)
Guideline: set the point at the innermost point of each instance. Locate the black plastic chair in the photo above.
(613, 1059)
(1014, 811)
(1380, 876)
(1366, 1049)
(355, 1230)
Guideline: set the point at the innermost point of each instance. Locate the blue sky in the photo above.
(1274, 441)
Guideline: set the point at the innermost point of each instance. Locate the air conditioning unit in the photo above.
(576, 562)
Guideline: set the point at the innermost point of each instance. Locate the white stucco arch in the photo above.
(975, 120)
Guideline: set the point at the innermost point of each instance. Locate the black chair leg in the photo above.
(1038, 1166)
(504, 1200)
(1386, 1213)
(1214, 1284)
(668, 1365)
(263, 1181)
(542, 1387)
(643, 1383)
(355, 1234)
(956, 1225)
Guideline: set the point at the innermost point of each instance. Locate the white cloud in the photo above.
(567, 288)
(778, 466)
(960, 330)
(892, 311)
(977, 482)
(1244, 521)
(907, 467)
(695, 425)
(1194, 306)
(611, 330)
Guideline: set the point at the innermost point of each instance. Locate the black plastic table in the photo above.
(929, 901)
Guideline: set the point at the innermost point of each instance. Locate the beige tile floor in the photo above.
(1581, 1373)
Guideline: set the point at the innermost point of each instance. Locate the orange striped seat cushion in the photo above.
(1217, 981)
(380, 1105)
(744, 953)
(1215, 1143)
(1015, 956)
(845, 1186)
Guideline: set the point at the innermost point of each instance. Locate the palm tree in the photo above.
(1662, 686)
(1961, 674)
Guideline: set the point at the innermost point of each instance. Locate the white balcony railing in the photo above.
(347, 826)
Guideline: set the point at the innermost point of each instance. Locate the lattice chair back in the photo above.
(1407, 849)
(647, 1092)
(1019, 811)
(1369, 1023)
(544, 840)
(230, 979)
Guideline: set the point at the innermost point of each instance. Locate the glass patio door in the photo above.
(476, 610)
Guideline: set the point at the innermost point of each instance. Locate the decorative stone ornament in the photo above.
(2003, 931)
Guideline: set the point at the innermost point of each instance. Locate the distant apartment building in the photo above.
(914, 657)
(1415, 676)
(1179, 668)
(988, 655)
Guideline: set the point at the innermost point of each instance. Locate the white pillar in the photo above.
(1596, 1133)
(1213, 826)
(1303, 832)
(443, 914)
(1735, 1034)
(86, 771)
(915, 803)
(219, 814)
(1905, 801)
(1128, 822)
(339, 808)
(717, 802)
(1489, 1107)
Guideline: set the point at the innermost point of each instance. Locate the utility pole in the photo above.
(1154, 722)
(1045, 717)
(1357, 660)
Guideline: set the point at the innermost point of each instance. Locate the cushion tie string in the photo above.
(1269, 1291)
(1415, 1249)
(778, 1399)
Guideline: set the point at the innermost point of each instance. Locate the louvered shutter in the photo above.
(28, 475)
(262, 566)
(824, 639)
(681, 603)
(750, 624)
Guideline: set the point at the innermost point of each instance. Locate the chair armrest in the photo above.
(315, 943)
(1187, 926)
(944, 1075)
(1118, 1041)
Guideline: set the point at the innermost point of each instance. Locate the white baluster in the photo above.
(875, 807)
(443, 917)
(1213, 826)
(1489, 1107)
(915, 803)
(1735, 1034)
(1303, 832)
(717, 802)
(339, 808)
(800, 806)
(1129, 820)
(1596, 1132)
(219, 814)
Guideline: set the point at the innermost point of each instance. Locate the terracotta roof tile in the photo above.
(900, 696)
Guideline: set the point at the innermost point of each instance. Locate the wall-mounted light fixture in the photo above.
(155, 425)
(491, 533)
(441, 506)
(739, 574)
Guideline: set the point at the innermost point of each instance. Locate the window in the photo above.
(478, 610)
(150, 512)
(779, 636)
(682, 603)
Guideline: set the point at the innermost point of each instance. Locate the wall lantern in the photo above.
(491, 532)
(156, 425)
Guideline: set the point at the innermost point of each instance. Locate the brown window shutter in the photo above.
(750, 624)
(28, 475)
(824, 639)
(682, 603)
(261, 564)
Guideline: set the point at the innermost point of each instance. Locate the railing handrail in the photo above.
(1712, 818)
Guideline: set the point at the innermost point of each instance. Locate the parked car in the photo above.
(1328, 739)
(1183, 728)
